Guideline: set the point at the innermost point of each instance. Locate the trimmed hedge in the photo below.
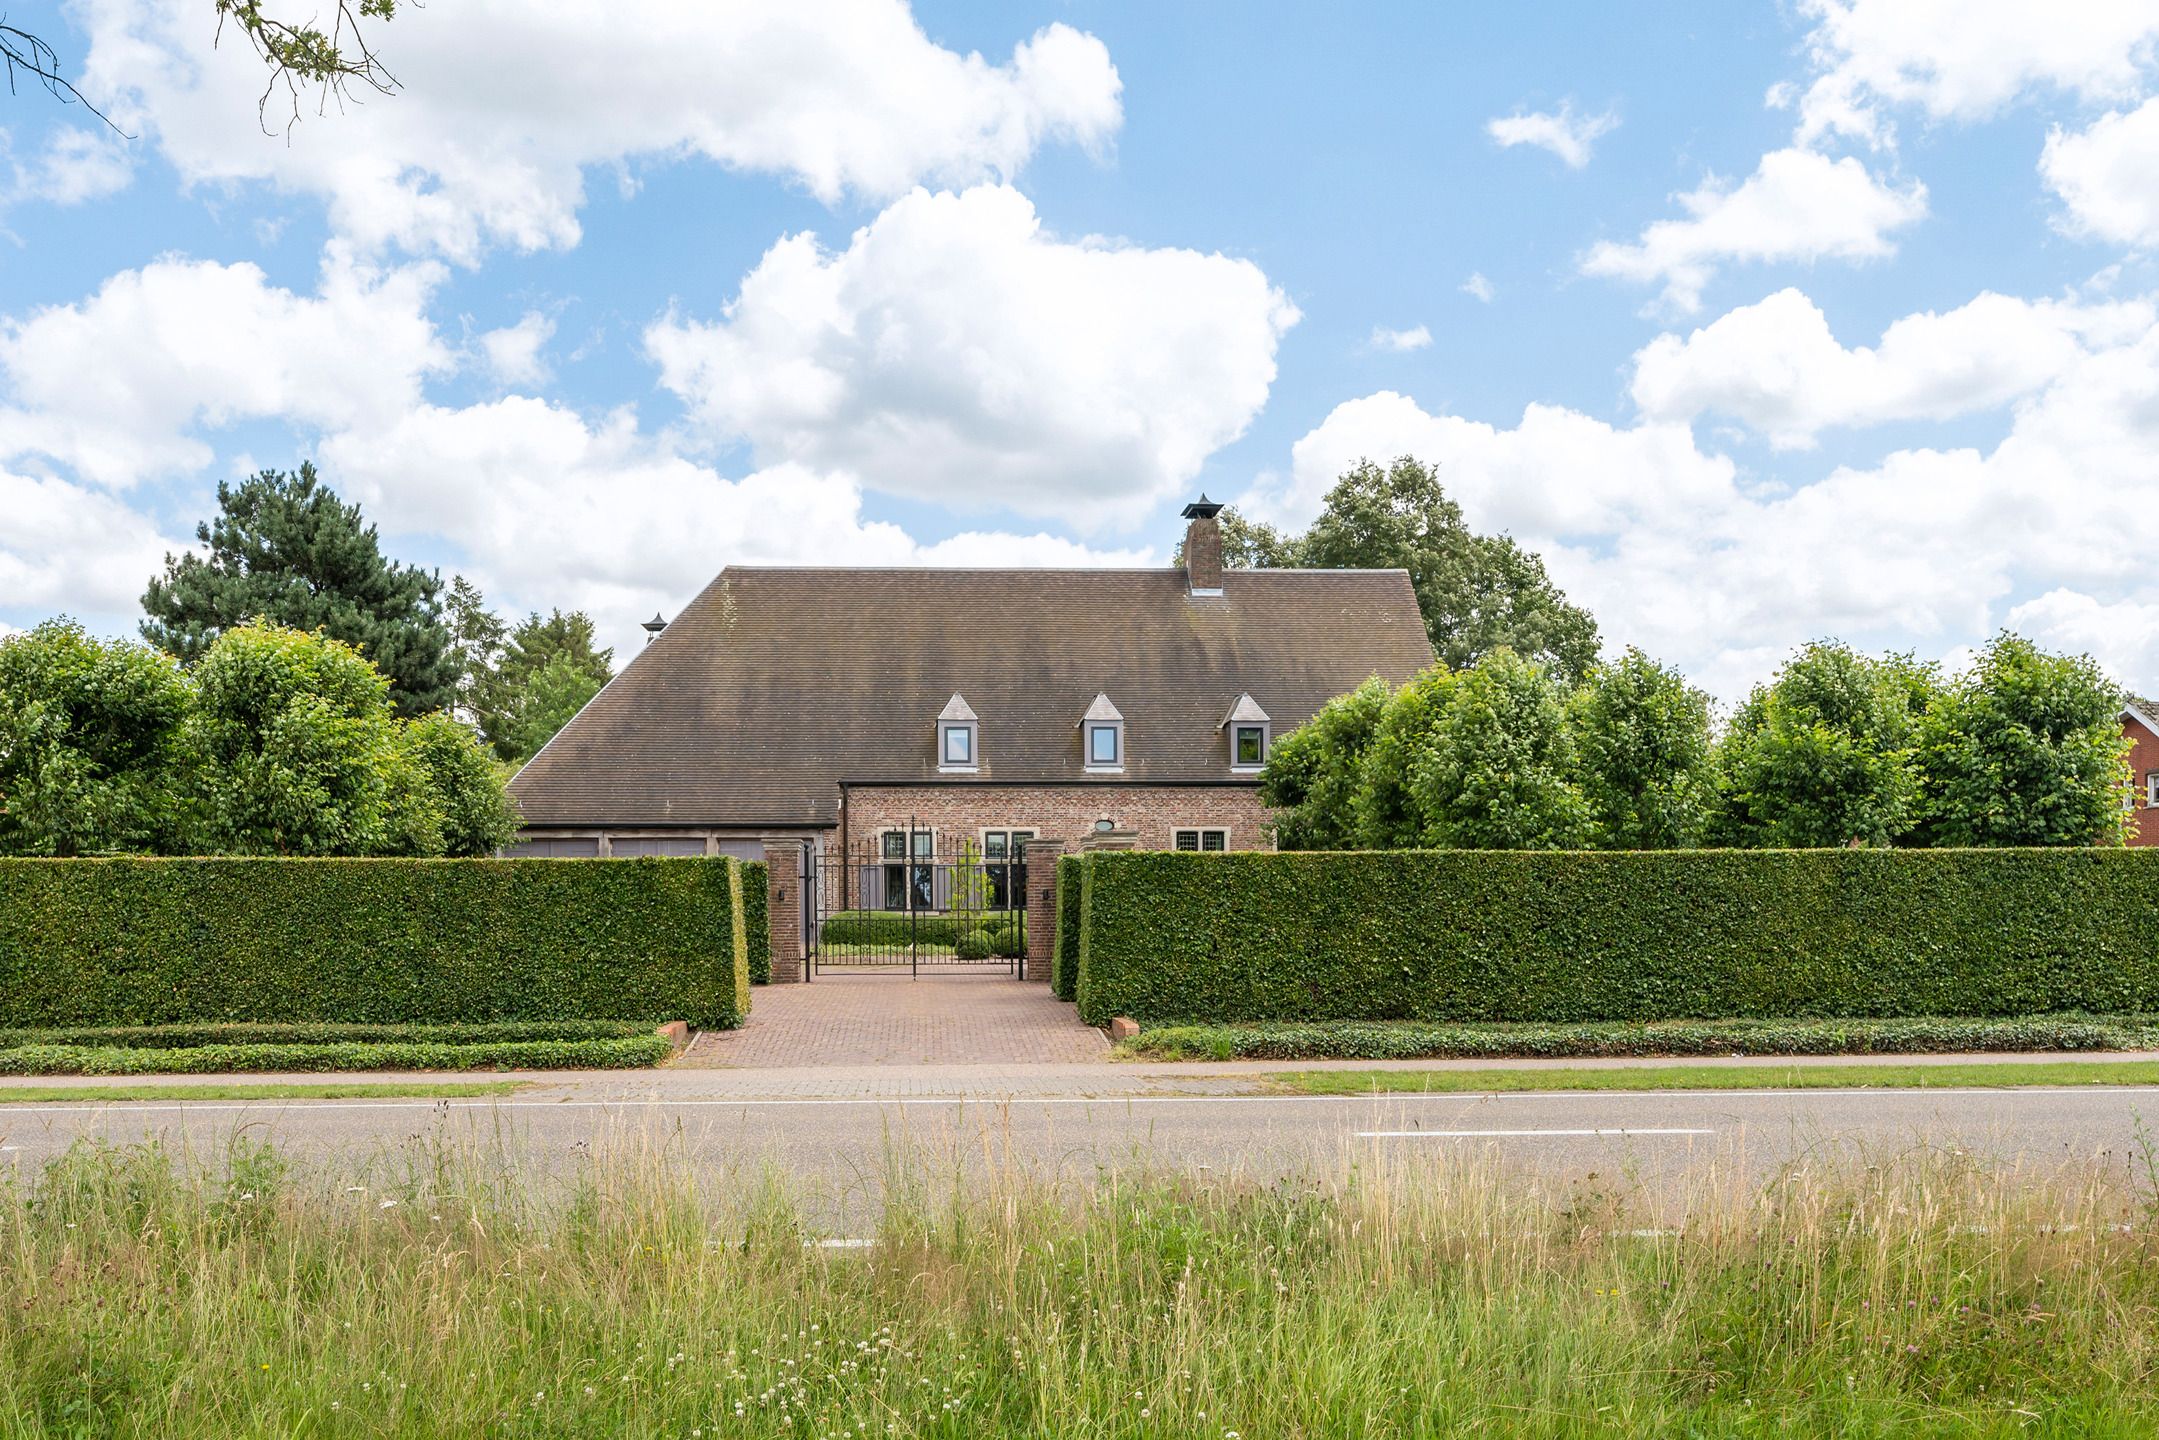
(619, 1054)
(1647, 935)
(899, 927)
(185, 1037)
(147, 942)
(1414, 1039)
(757, 920)
(1064, 962)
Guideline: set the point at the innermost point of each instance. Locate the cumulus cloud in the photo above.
(2108, 175)
(513, 353)
(1963, 59)
(553, 508)
(117, 386)
(1676, 549)
(1775, 366)
(2122, 634)
(505, 102)
(1796, 206)
(73, 166)
(68, 548)
(1416, 338)
(1478, 288)
(957, 352)
(1567, 135)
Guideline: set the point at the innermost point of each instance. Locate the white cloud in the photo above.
(552, 509)
(1775, 366)
(956, 352)
(75, 165)
(2122, 635)
(115, 386)
(2108, 175)
(1796, 206)
(1560, 131)
(1963, 59)
(1399, 340)
(65, 548)
(513, 353)
(1478, 288)
(505, 102)
(1723, 573)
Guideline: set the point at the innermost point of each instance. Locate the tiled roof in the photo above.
(774, 685)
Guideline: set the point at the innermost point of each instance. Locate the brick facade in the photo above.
(783, 910)
(961, 812)
(2143, 763)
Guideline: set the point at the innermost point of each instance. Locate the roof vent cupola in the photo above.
(1203, 547)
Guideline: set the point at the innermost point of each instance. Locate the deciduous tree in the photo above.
(1498, 774)
(1642, 742)
(1313, 773)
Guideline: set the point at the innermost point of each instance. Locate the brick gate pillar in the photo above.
(783, 910)
(1041, 857)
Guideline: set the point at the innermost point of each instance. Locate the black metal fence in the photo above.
(898, 902)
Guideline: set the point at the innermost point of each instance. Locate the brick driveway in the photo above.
(895, 1020)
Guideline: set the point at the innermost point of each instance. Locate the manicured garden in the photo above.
(440, 1293)
(231, 1049)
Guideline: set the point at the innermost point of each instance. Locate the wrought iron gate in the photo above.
(897, 902)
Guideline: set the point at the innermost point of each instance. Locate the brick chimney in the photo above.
(1203, 547)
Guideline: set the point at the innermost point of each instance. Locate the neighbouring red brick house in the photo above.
(886, 712)
(2140, 723)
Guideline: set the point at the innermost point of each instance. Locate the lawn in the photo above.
(1997, 1074)
(431, 1293)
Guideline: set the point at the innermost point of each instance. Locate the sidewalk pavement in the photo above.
(1152, 1079)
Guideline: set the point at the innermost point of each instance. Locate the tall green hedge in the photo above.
(144, 942)
(1064, 963)
(757, 920)
(1481, 935)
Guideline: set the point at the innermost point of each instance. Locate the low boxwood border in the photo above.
(1411, 1040)
(616, 1054)
(183, 1037)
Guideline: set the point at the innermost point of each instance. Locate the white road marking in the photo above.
(1510, 1134)
(725, 1103)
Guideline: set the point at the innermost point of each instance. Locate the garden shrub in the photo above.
(1064, 964)
(618, 1054)
(185, 1037)
(1649, 935)
(757, 920)
(973, 945)
(158, 941)
(899, 927)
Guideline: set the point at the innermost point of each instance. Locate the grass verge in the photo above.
(442, 1294)
(2000, 1074)
(625, 1053)
(1412, 1039)
(328, 1090)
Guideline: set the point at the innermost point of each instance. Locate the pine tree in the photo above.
(476, 639)
(549, 668)
(284, 548)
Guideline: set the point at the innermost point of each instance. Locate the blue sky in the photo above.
(1772, 322)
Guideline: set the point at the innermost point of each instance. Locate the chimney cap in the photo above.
(1202, 508)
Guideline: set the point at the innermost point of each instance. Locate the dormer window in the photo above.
(1102, 737)
(958, 738)
(1249, 733)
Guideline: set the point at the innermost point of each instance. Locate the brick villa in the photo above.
(896, 712)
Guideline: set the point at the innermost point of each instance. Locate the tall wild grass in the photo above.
(441, 1293)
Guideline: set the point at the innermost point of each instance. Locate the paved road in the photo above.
(841, 1149)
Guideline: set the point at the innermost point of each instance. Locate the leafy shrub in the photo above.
(756, 921)
(900, 927)
(1064, 964)
(619, 1054)
(1411, 1039)
(1010, 938)
(1571, 937)
(138, 941)
(973, 945)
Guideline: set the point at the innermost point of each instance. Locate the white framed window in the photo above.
(2151, 789)
(1105, 745)
(956, 746)
(959, 737)
(1201, 838)
(1248, 747)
